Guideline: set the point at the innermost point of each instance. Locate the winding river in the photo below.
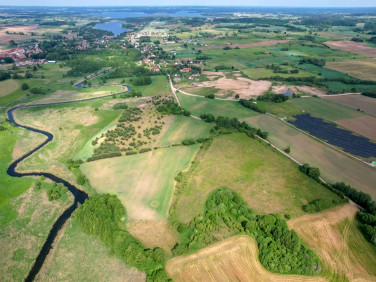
(79, 196)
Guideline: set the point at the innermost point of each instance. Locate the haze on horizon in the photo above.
(256, 3)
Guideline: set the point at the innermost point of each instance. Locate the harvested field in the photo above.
(353, 47)
(364, 103)
(257, 44)
(365, 125)
(362, 68)
(7, 87)
(310, 90)
(5, 38)
(245, 87)
(233, 259)
(334, 236)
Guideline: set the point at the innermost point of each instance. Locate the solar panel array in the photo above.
(334, 135)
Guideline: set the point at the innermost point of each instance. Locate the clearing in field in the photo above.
(81, 257)
(334, 166)
(364, 125)
(268, 181)
(353, 47)
(335, 237)
(233, 259)
(202, 105)
(144, 183)
(246, 88)
(361, 68)
(361, 102)
(8, 86)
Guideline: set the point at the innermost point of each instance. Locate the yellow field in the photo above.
(8, 86)
(362, 68)
(334, 236)
(233, 259)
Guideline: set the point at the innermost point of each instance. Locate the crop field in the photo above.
(335, 237)
(340, 87)
(364, 125)
(5, 38)
(361, 102)
(144, 182)
(325, 108)
(24, 225)
(354, 144)
(78, 257)
(181, 128)
(233, 259)
(8, 86)
(353, 47)
(362, 68)
(268, 181)
(323, 72)
(198, 106)
(263, 73)
(249, 45)
(334, 166)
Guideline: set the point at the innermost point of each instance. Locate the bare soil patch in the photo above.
(364, 125)
(257, 44)
(310, 90)
(153, 234)
(233, 259)
(361, 102)
(321, 233)
(246, 88)
(353, 47)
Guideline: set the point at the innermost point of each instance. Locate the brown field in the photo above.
(364, 103)
(257, 44)
(153, 234)
(363, 68)
(243, 86)
(364, 125)
(5, 38)
(353, 47)
(333, 235)
(8, 86)
(233, 259)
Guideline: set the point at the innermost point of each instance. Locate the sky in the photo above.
(274, 3)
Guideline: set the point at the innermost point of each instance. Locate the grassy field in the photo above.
(364, 103)
(362, 68)
(279, 109)
(334, 166)
(72, 125)
(335, 237)
(233, 259)
(144, 182)
(325, 72)
(8, 86)
(262, 73)
(158, 87)
(268, 181)
(81, 257)
(24, 225)
(325, 109)
(181, 128)
(198, 106)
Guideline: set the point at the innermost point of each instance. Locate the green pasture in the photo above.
(260, 73)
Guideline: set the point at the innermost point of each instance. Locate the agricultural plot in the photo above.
(198, 106)
(334, 135)
(181, 127)
(267, 180)
(323, 72)
(353, 47)
(335, 237)
(144, 182)
(8, 86)
(334, 166)
(263, 73)
(361, 102)
(249, 45)
(361, 68)
(364, 125)
(233, 259)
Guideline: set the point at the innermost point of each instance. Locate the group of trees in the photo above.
(233, 124)
(251, 104)
(142, 80)
(281, 250)
(104, 216)
(313, 61)
(322, 204)
(312, 172)
(276, 98)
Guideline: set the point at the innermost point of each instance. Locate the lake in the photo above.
(113, 26)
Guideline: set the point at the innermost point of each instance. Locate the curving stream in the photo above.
(79, 196)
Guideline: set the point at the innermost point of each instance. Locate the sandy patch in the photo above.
(353, 47)
(364, 125)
